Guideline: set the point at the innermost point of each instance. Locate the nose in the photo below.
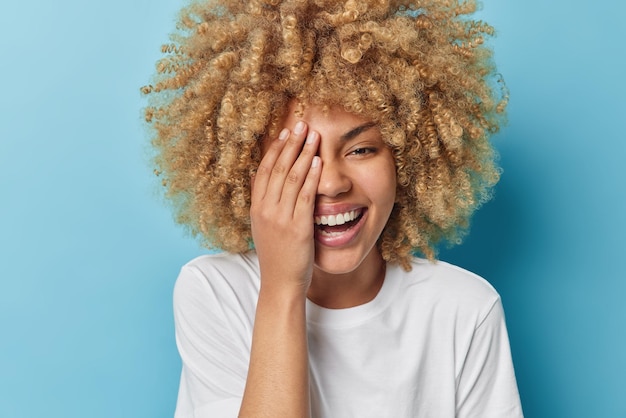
(333, 180)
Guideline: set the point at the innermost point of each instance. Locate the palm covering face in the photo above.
(282, 208)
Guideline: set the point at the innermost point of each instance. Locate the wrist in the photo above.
(282, 293)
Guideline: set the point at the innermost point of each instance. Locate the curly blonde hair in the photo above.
(418, 69)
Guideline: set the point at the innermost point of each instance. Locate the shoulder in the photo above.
(443, 286)
(218, 279)
(223, 263)
(215, 268)
(450, 279)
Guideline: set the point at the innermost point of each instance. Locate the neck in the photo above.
(346, 290)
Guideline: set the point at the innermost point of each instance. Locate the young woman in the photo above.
(322, 144)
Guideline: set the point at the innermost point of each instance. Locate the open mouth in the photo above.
(338, 223)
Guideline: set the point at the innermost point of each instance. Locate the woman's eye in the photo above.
(362, 151)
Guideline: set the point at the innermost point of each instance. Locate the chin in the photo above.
(337, 262)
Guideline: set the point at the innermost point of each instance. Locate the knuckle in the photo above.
(307, 152)
(276, 145)
(307, 197)
(263, 170)
(279, 169)
(294, 141)
(254, 209)
(260, 214)
(292, 177)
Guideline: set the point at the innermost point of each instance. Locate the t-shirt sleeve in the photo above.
(487, 386)
(214, 354)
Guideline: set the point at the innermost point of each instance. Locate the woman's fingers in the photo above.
(299, 174)
(285, 172)
(283, 201)
(285, 167)
(305, 203)
(266, 166)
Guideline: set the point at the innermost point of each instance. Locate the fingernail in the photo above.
(283, 134)
(299, 128)
(310, 137)
(315, 162)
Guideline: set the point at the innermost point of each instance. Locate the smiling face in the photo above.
(356, 192)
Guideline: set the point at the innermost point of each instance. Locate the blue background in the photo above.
(89, 253)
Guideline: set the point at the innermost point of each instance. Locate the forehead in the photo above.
(329, 120)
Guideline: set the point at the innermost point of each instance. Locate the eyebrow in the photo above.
(356, 131)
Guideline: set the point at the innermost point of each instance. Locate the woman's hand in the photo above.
(283, 202)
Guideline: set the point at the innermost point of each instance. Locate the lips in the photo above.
(334, 230)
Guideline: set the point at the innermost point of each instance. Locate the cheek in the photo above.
(381, 182)
(388, 176)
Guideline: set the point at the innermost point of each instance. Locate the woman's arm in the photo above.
(277, 383)
(283, 199)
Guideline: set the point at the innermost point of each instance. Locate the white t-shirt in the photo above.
(431, 344)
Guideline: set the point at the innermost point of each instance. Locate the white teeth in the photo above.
(339, 219)
(331, 233)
